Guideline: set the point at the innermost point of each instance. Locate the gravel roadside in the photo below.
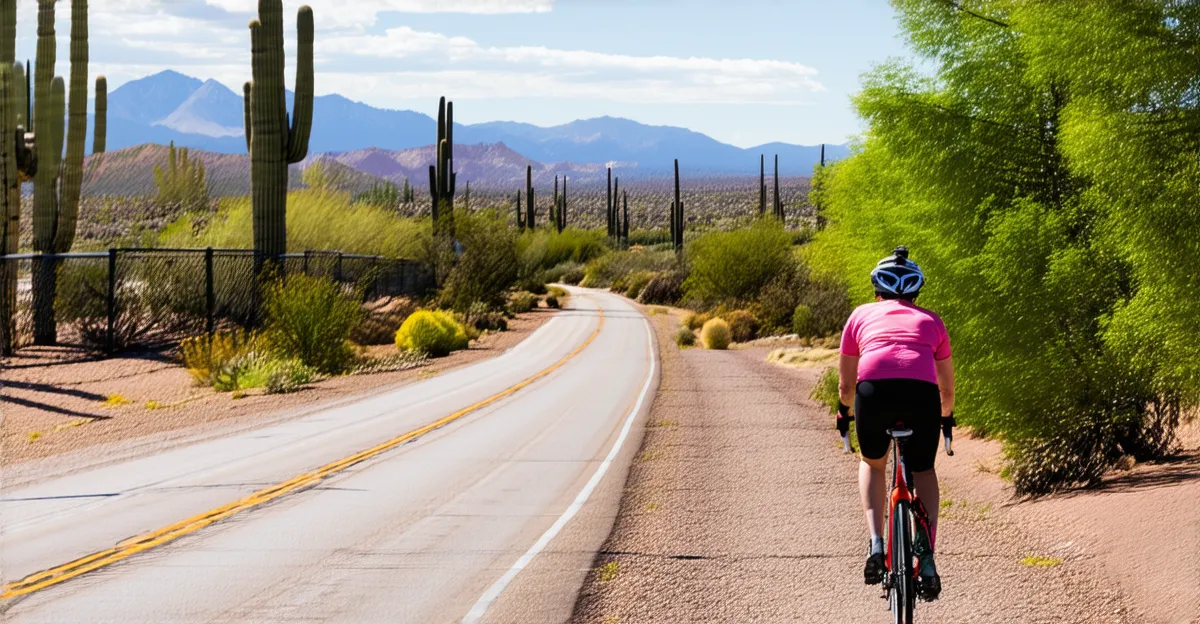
(742, 508)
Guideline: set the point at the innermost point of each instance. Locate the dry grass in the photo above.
(802, 357)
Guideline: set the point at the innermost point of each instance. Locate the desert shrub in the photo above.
(483, 317)
(743, 326)
(826, 390)
(488, 265)
(695, 320)
(604, 271)
(715, 335)
(802, 321)
(553, 302)
(685, 337)
(573, 275)
(556, 273)
(315, 220)
(735, 266)
(435, 333)
(559, 295)
(546, 248)
(205, 356)
(310, 319)
(828, 301)
(275, 375)
(664, 289)
(522, 302)
(380, 321)
(635, 282)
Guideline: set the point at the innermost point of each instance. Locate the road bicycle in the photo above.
(905, 514)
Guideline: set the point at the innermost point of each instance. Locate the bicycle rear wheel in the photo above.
(902, 590)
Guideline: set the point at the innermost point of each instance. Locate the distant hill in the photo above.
(130, 173)
(170, 106)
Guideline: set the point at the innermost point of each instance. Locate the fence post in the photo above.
(110, 336)
(210, 295)
(337, 276)
(306, 264)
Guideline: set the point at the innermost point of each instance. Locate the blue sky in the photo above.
(743, 71)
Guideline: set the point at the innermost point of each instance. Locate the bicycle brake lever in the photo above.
(950, 446)
(846, 444)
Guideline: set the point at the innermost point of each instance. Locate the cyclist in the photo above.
(896, 367)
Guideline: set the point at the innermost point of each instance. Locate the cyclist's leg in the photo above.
(873, 442)
(923, 406)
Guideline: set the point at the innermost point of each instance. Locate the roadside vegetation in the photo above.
(1050, 194)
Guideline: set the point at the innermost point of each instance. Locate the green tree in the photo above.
(974, 166)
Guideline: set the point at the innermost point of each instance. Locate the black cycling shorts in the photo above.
(882, 404)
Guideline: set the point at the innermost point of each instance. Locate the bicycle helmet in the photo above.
(897, 276)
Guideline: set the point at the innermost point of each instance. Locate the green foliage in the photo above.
(322, 176)
(1039, 179)
(716, 335)
(735, 266)
(604, 271)
(553, 302)
(316, 221)
(743, 325)
(565, 273)
(310, 319)
(635, 282)
(435, 333)
(205, 356)
(826, 390)
(685, 337)
(522, 302)
(543, 251)
(183, 181)
(386, 195)
(275, 375)
(664, 289)
(487, 268)
(483, 317)
(802, 321)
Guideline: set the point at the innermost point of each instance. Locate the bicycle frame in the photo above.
(901, 480)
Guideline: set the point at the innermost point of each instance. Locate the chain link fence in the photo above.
(124, 298)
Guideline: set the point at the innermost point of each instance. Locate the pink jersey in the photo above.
(896, 340)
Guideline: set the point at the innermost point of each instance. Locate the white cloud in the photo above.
(428, 62)
(362, 13)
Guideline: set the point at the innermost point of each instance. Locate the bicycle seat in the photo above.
(900, 433)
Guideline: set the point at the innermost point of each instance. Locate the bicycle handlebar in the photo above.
(844, 419)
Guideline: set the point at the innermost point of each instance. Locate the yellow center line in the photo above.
(67, 571)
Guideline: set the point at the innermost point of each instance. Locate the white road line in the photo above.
(485, 601)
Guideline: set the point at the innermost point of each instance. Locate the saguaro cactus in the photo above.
(100, 124)
(18, 163)
(554, 207)
(274, 141)
(55, 201)
(677, 222)
(520, 213)
(562, 211)
(441, 174)
(530, 207)
(625, 220)
(762, 184)
(778, 199)
(609, 206)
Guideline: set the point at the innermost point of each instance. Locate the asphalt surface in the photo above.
(426, 532)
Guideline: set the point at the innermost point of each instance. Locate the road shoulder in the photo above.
(740, 507)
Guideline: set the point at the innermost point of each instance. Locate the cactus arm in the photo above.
(450, 139)
(45, 197)
(71, 185)
(20, 96)
(248, 112)
(302, 111)
(100, 133)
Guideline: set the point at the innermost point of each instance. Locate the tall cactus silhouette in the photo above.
(677, 222)
(100, 129)
(762, 184)
(18, 162)
(530, 207)
(562, 209)
(520, 213)
(55, 200)
(274, 141)
(778, 200)
(441, 174)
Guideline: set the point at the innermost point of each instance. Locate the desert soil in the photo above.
(55, 403)
(741, 507)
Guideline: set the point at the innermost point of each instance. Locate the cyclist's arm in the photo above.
(847, 379)
(945, 376)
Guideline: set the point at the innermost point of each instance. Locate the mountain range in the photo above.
(207, 115)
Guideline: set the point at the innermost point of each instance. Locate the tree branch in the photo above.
(958, 6)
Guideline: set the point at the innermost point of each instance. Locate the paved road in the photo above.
(426, 532)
